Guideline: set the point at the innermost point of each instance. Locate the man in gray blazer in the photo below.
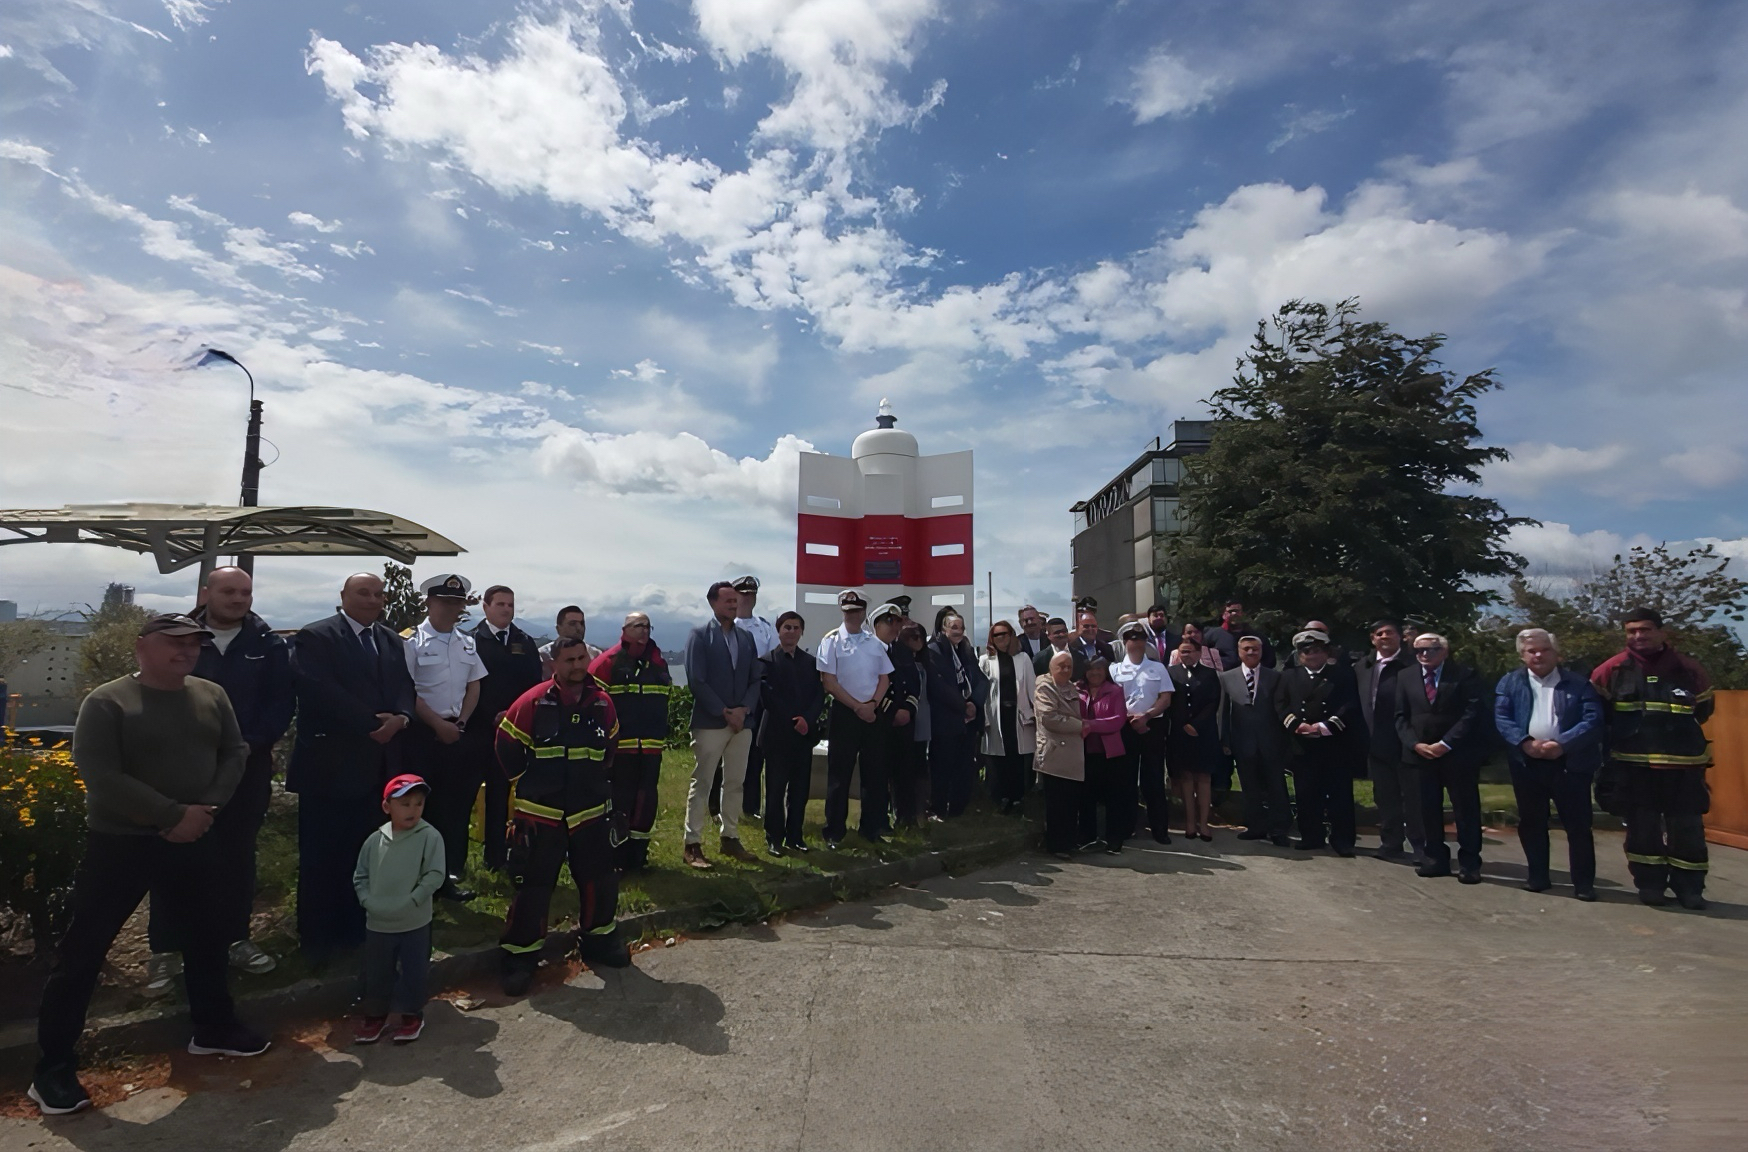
(722, 669)
(1251, 730)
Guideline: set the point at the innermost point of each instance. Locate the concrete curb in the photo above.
(166, 1027)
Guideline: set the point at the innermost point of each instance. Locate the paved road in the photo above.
(1207, 999)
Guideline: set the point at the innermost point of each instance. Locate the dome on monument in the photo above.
(887, 439)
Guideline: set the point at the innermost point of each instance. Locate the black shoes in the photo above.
(606, 951)
(1469, 876)
(1653, 896)
(1253, 834)
(1309, 845)
(1538, 885)
(517, 978)
(1429, 869)
(56, 1090)
(1588, 895)
(1390, 852)
(453, 891)
(232, 1039)
(1692, 901)
(1281, 841)
(1345, 852)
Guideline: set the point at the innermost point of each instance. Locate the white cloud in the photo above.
(1688, 226)
(1164, 84)
(307, 220)
(678, 465)
(1614, 471)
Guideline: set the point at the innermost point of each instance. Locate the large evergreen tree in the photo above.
(1333, 486)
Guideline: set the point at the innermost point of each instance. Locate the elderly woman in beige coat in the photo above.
(1061, 759)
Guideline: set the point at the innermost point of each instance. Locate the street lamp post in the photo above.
(251, 496)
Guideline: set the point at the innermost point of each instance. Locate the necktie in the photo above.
(1431, 687)
(1250, 683)
(504, 637)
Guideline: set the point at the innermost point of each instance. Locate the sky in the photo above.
(575, 283)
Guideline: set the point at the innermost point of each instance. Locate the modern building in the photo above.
(1122, 534)
(885, 519)
(44, 686)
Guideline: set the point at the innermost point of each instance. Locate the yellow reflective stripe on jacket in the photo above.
(1655, 861)
(549, 752)
(534, 809)
(514, 731)
(639, 689)
(520, 949)
(1653, 706)
(1665, 759)
(606, 929)
(588, 814)
(579, 753)
(642, 744)
(1689, 865)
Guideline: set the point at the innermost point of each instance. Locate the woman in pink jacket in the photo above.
(1111, 774)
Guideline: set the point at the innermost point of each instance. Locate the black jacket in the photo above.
(903, 686)
(946, 700)
(1226, 644)
(1252, 731)
(1458, 715)
(1379, 714)
(339, 693)
(255, 672)
(1041, 663)
(511, 669)
(789, 687)
(1195, 701)
(1327, 697)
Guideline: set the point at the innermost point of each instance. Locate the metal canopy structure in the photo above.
(180, 535)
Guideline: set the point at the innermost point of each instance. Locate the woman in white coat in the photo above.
(1009, 735)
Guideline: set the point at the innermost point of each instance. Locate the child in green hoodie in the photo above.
(399, 868)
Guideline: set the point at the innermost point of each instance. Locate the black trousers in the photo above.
(950, 773)
(907, 760)
(486, 773)
(1262, 784)
(636, 775)
(1396, 789)
(452, 771)
(1007, 777)
(234, 832)
(788, 779)
(1110, 783)
(1062, 804)
(1147, 750)
(1323, 787)
(330, 831)
(1539, 784)
(188, 883)
(1666, 836)
(539, 848)
(1463, 783)
(854, 740)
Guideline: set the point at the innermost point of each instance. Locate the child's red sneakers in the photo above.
(369, 1029)
(409, 1029)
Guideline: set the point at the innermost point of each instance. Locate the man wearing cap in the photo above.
(902, 603)
(895, 714)
(355, 700)
(1086, 606)
(253, 665)
(723, 673)
(855, 669)
(513, 665)
(764, 639)
(1318, 705)
(160, 754)
(1146, 694)
(446, 668)
(556, 744)
(637, 680)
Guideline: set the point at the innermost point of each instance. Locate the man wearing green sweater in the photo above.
(400, 867)
(160, 754)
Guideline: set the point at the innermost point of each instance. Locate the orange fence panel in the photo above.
(1727, 822)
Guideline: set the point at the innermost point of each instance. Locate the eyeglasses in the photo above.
(1423, 648)
(999, 635)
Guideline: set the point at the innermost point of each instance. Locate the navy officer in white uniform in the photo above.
(447, 668)
(855, 669)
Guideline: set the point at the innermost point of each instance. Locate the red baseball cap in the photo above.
(403, 784)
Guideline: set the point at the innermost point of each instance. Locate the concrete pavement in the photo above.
(1221, 996)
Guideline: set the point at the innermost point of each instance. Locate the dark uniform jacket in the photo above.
(1655, 708)
(1457, 715)
(903, 686)
(639, 687)
(1195, 701)
(255, 672)
(947, 696)
(512, 667)
(1041, 664)
(1326, 697)
(560, 754)
(340, 689)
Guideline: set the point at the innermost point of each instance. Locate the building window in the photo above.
(1167, 470)
(948, 599)
(947, 502)
(824, 502)
(947, 550)
(1166, 517)
(821, 598)
(822, 549)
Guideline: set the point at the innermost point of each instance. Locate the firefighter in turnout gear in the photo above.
(637, 680)
(1656, 699)
(556, 745)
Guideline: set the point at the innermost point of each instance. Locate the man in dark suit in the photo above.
(512, 661)
(1058, 639)
(1318, 704)
(354, 699)
(1252, 733)
(722, 669)
(1395, 783)
(1224, 636)
(1441, 720)
(1090, 640)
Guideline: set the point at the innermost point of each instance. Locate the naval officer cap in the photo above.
(1086, 604)
(851, 598)
(1311, 638)
(902, 603)
(1134, 628)
(885, 611)
(745, 584)
(447, 586)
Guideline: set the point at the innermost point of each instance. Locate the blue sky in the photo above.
(574, 282)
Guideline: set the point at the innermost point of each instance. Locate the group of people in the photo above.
(397, 736)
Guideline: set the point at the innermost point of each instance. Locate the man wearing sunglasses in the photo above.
(1440, 717)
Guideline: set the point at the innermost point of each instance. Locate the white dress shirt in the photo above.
(857, 659)
(1142, 683)
(1543, 724)
(443, 664)
(764, 636)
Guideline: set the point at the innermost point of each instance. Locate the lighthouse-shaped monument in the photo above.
(887, 520)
